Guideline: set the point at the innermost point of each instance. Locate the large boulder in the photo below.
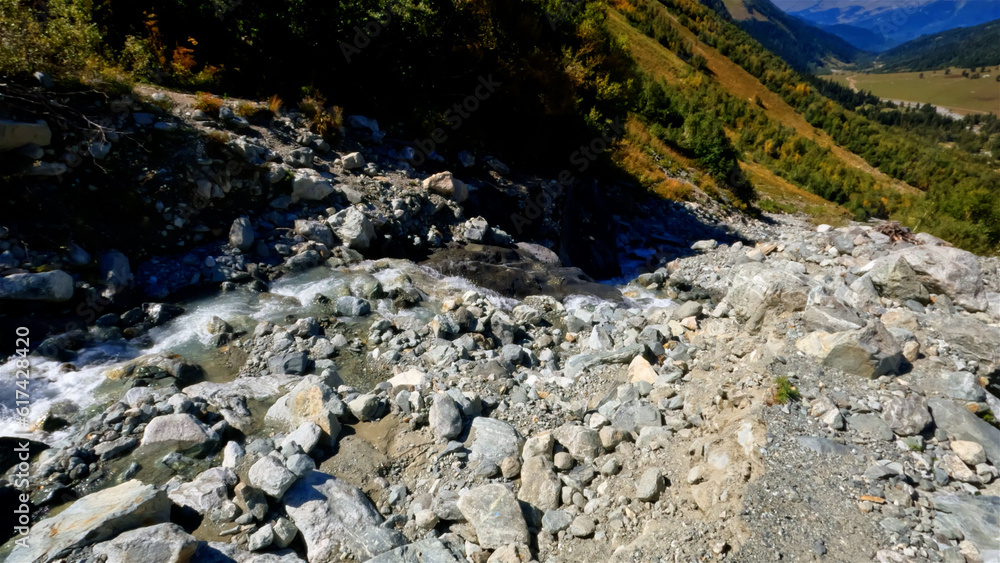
(308, 402)
(179, 432)
(332, 514)
(56, 285)
(939, 269)
(353, 227)
(309, 185)
(116, 273)
(973, 340)
(493, 440)
(94, 518)
(761, 291)
(431, 550)
(893, 277)
(960, 424)
(315, 230)
(445, 184)
(540, 486)
(206, 492)
(907, 416)
(162, 543)
(496, 515)
(241, 234)
(869, 352)
(445, 419)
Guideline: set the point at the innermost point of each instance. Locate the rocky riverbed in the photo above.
(385, 371)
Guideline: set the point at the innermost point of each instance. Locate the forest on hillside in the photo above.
(562, 79)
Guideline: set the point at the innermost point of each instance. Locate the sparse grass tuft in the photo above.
(783, 391)
(274, 104)
(208, 103)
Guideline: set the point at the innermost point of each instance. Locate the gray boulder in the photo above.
(332, 514)
(431, 550)
(540, 486)
(241, 234)
(309, 185)
(270, 475)
(906, 416)
(162, 543)
(943, 270)
(493, 440)
(869, 352)
(316, 231)
(760, 291)
(353, 227)
(445, 419)
(894, 278)
(206, 492)
(958, 423)
(180, 432)
(116, 273)
(94, 518)
(56, 285)
(496, 515)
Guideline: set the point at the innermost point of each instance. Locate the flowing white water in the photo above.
(79, 381)
(188, 334)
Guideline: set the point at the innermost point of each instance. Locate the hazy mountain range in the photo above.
(877, 25)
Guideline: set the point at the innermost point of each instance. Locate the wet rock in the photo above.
(332, 514)
(94, 518)
(348, 306)
(162, 543)
(316, 231)
(116, 273)
(494, 512)
(46, 286)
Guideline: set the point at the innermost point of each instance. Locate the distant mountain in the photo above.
(965, 47)
(890, 23)
(800, 44)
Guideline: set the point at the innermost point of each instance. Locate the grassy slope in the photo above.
(662, 63)
(953, 91)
